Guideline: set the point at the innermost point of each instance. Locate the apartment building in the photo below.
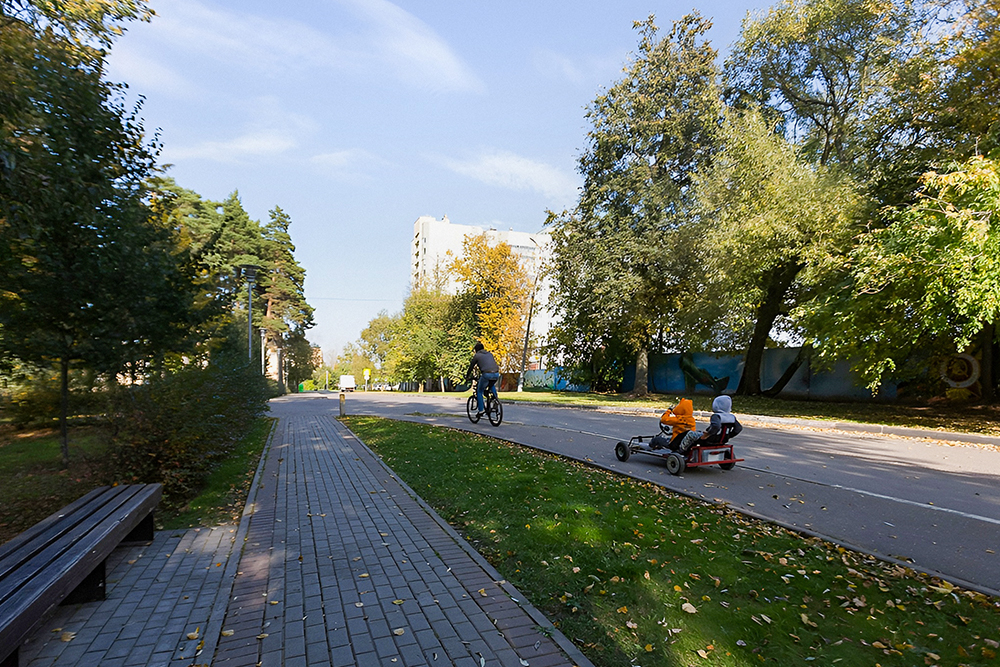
(436, 243)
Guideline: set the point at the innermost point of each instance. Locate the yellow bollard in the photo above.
(343, 403)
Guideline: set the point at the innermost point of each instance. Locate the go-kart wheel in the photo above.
(728, 466)
(622, 451)
(471, 408)
(675, 463)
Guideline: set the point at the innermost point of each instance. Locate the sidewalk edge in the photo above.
(563, 642)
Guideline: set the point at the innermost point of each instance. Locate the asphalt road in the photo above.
(929, 504)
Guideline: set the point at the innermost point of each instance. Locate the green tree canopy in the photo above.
(87, 275)
(927, 283)
(772, 228)
(617, 260)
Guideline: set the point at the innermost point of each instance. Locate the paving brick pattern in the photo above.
(335, 562)
(343, 566)
(156, 596)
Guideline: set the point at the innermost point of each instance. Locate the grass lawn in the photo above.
(961, 418)
(224, 492)
(33, 485)
(635, 575)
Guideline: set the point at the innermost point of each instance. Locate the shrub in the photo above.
(172, 428)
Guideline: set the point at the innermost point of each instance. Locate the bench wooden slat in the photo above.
(104, 521)
(61, 551)
(7, 548)
(50, 529)
(60, 535)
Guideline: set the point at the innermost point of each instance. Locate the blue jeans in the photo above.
(484, 380)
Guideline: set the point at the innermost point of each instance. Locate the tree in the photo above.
(772, 230)
(928, 281)
(299, 361)
(376, 340)
(420, 339)
(77, 22)
(825, 67)
(87, 277)
(282, 285)
(494, 292)
(615, 268)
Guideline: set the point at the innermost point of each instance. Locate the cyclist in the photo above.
(489, 371)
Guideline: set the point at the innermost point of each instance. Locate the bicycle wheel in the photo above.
(494, 411)
(472, 409)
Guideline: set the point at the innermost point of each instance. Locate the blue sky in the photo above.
(358, 116)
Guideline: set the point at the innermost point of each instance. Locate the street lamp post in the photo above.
(250, 273)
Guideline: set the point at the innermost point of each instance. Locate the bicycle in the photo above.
(494, 408)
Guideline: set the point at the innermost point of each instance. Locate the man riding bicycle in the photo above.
(489, 374)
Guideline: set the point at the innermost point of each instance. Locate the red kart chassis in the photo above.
(719, 453)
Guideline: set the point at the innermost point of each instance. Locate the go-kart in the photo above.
(719, 452)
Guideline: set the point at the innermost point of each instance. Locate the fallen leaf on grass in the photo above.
(631, 625)
(689, 608)
(649, 648)
(805, 619)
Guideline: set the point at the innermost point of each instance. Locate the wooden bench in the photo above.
(60, 560)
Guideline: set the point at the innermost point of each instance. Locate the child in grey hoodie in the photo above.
(721, 416)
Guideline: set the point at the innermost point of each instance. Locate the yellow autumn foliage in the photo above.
(493, 276)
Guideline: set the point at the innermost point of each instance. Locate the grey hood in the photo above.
(722, 406)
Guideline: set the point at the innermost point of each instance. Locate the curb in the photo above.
(807, 532)
(853, 427)
(563, 642)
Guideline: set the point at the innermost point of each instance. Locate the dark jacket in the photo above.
(485, 361)
(721, 415)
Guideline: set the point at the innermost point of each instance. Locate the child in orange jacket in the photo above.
(680, 419)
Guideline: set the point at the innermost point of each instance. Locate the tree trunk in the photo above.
(778, 283)
(641, 373)
(803, 356)
(986, 379)
(64, 411)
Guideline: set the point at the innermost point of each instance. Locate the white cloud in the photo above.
(557, 66)
(515, 172)
(145, 74)
(386, 40)
(247, 145)
(351, 164)
(588, 72)
(405, 42)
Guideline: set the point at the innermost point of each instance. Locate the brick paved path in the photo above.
(156, 596)
(341, 565)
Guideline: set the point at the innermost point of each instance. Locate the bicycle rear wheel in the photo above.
(494, 411)
(472, 409)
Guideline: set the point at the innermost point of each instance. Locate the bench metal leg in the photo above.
(90, 589)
